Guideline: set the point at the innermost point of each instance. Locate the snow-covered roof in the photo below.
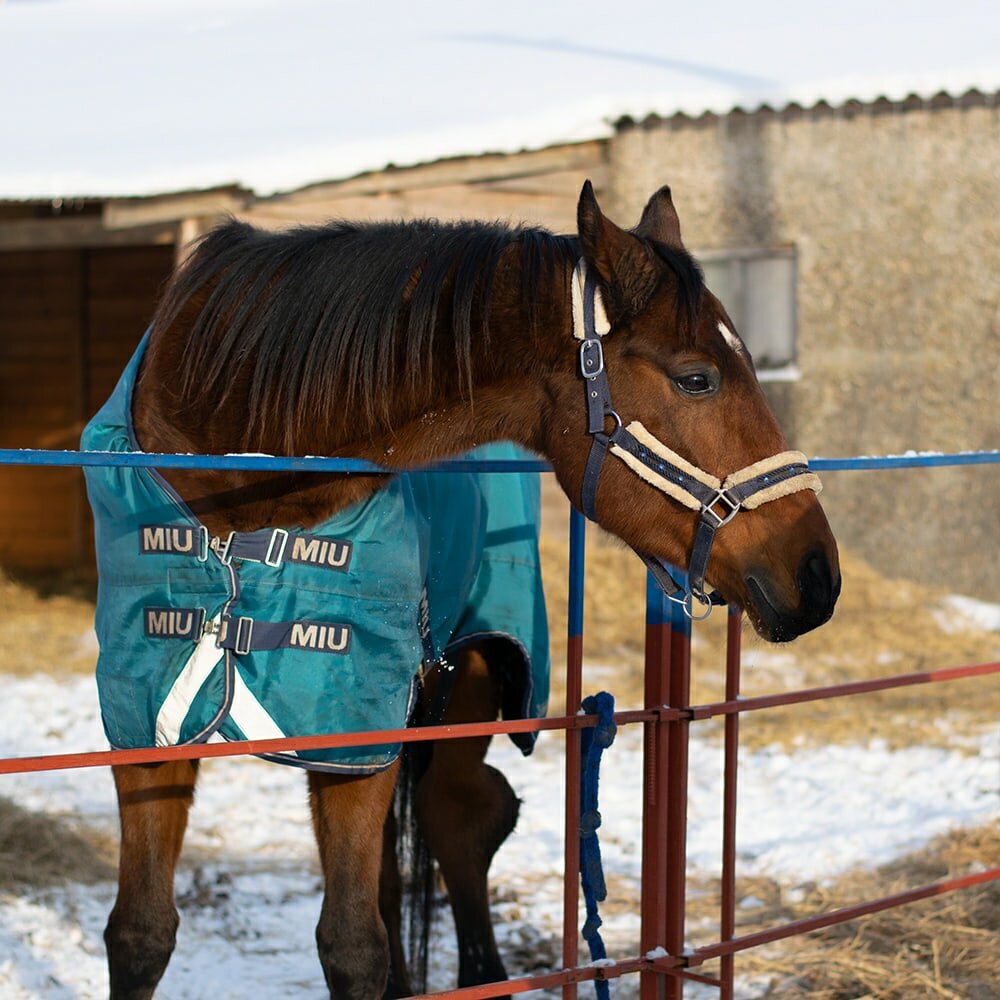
(135, 97)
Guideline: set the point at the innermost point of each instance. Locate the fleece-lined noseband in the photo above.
(717, 501)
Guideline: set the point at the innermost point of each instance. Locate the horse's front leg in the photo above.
(153, 804)
(349, 816)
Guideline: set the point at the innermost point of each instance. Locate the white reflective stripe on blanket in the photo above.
(185, 689)
(249, 714)
(246, 711)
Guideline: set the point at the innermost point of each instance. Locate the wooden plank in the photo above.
(445, 203)
(38, 509)
(49, 347)
(37, 550)
(125, 286)
(20, 262)
(460, 170)
(124, 315)
(22, 489)
(39, 315)
(559, 183)
(111, 354)
(89, 231)
(127, 213)
(189, 231)
(108, 263)
(40, 401)
(53, 431)
(30, 392)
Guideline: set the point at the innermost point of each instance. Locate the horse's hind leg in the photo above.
(390, 893)
(466, 809)
(349, 818)
(153, 804)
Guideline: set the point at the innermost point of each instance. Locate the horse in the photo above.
(405, 343)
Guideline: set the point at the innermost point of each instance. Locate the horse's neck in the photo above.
(507, 402)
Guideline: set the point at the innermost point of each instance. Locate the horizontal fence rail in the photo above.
(664, 964)
(458, 731)
(316, 463)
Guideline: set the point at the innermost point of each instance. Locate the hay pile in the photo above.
(41, 850)
(47, 625)
(944, 947)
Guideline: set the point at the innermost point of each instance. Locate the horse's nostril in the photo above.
(815, 580)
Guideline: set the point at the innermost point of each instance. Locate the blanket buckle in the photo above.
(221, 548)
(244, 636)
(276, 547)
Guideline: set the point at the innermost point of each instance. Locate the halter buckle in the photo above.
(591, 367)
(723, 496)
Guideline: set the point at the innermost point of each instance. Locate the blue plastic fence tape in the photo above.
(593, 743)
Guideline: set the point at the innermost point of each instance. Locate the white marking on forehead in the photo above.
(731, 339)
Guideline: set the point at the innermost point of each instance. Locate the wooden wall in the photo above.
(539, 187)
(69, 320)
(77, 288)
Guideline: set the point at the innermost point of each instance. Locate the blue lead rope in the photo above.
(593, 742)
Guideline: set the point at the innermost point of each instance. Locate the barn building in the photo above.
(852, 236)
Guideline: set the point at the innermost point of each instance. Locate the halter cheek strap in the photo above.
(716, 501)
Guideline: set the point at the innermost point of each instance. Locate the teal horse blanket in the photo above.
(294, 632)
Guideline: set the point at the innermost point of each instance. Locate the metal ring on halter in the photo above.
(721, 496)
(687, 603)
(618, 420)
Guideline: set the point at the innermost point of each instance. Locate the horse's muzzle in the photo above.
(818, 589)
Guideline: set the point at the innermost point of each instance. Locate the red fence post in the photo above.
(653, 933)
(727, 921)
(574, 696)
(679, 689)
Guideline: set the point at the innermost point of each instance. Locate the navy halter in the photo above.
(716, 501)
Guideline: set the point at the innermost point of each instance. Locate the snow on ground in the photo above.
(249, 891)
(958, 613)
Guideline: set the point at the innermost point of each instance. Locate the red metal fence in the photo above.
(663, 965)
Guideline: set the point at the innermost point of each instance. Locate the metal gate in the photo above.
(663, 964)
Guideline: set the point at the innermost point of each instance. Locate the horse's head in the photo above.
(680, 414)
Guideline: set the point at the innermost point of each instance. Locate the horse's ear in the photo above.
(659, 220)
(625, 265)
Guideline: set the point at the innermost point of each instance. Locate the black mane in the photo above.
(690, 281)
(334, 318)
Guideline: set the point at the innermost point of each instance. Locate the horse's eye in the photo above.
(694, 384)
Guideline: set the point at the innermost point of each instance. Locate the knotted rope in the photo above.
(593, 743)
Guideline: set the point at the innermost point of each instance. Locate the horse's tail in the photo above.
(416, 865)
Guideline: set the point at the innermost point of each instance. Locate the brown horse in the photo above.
(421, 341)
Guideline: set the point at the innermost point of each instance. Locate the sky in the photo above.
(105, 97)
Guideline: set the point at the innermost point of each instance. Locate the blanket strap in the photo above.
(272, 547)
(247, 635)
(275, 546)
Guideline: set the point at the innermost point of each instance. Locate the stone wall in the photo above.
(893, 212)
